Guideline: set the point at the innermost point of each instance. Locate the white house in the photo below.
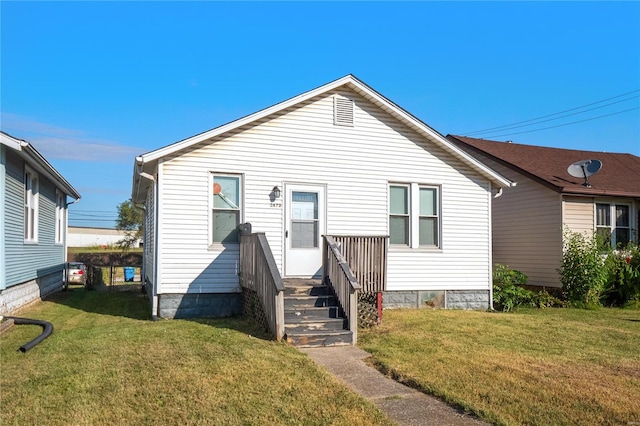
(346, 161)
(90, 236)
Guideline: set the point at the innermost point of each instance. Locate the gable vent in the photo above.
(342, 111)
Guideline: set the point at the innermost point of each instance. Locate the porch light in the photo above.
(276, 192)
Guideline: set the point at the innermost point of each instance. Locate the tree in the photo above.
(130, 219)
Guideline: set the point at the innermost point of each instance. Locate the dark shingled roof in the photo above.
(619, 176)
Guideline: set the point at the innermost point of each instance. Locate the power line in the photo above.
(557, 113)
(510, 127)
(565, 124)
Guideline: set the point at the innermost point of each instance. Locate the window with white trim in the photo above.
(613, 223)
(226, 209)
(30, 205)
(414, 215)
(60, 207)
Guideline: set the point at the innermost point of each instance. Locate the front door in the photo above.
(304, 227)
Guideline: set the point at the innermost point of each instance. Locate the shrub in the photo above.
(507, 291)
(583, 272)
(623, 284)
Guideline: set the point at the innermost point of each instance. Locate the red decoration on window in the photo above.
(216, 188)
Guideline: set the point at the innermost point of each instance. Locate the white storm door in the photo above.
(305, 224)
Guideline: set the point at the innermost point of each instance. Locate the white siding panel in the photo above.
(355, 163)
(579, 214)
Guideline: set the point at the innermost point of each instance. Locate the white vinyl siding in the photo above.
(303, 145)
(579, 214)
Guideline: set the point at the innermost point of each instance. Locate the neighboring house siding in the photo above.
(533, 247)
(25, 262)
(302, 145)
(579, 214)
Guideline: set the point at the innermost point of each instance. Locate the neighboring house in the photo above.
(347, 161)
(81, 236)
(33, 224)
(528, 220)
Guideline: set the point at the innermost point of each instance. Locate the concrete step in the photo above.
(312, 339)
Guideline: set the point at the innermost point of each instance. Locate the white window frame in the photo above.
(240, 208)
(60, 222)
(612, 226)
(413, 190)
(31, 202)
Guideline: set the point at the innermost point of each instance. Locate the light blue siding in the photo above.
(28, 261)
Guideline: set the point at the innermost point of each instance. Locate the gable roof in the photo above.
(349, 82)
(619, 176)
(25, 150)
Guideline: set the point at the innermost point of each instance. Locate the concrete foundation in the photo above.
(199, 305)
(18, 296)
(443, 299)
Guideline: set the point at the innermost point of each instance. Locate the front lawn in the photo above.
(533, 367)
(106, 363)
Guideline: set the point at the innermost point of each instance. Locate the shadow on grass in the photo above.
(129, 302)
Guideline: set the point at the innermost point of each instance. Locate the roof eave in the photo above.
(36, 160)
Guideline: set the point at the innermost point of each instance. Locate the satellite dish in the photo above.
(584, 169)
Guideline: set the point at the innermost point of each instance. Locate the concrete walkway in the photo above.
(403, 405)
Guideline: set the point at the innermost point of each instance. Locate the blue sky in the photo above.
(93, 84)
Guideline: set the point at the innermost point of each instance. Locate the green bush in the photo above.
(508, 294)
(623, 284)
(583, 272)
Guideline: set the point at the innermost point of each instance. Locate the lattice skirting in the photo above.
(252, 308)
(368, 309)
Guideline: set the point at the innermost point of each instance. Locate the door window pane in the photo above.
(304, 220)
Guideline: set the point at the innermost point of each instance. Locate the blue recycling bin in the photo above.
(128, 273)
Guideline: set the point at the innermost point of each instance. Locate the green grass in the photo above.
(533, 367)
(106, 363)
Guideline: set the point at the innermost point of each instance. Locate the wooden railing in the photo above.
(338, 275)
(367, 258)
(259, 273)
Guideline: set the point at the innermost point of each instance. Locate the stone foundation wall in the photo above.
(18, 296)
(199, 305)
(443, 299)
